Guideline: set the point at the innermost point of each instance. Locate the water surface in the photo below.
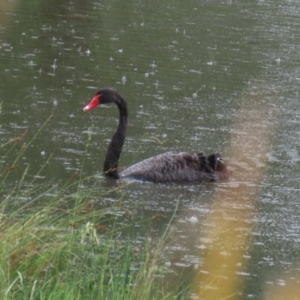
(188, 71)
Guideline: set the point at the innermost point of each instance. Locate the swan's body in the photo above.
(177, 167)
(167, 167)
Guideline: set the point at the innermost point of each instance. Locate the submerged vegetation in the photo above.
(51, 249)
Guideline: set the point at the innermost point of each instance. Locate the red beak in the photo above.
(94, 103)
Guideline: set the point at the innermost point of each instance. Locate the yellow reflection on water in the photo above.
(7, 7)
(230, 230)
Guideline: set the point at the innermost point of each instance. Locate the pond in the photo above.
(197, 76)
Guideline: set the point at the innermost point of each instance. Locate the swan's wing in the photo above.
(175, 167)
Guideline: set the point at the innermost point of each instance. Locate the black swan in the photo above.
(179, 167)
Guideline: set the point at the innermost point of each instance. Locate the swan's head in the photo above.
(103, 96)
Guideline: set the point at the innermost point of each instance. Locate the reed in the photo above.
(51, 249)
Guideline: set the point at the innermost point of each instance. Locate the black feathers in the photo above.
(178, 167)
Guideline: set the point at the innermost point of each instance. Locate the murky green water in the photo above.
(186, 69)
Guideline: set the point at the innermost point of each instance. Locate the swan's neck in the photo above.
(115, 147)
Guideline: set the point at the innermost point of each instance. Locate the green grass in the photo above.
(44, 257)
(51, 249)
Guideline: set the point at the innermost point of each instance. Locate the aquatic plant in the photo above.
(56, 244)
